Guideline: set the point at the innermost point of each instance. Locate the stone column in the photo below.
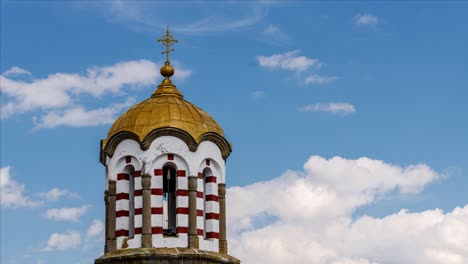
(192, 192)
(223, 248)
(111, 224)
(106, 230)
(146, 240)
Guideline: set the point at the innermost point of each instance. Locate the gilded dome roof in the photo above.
(165, 111)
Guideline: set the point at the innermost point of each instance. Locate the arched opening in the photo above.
(206, 173)
(130, 170)
(169, 198)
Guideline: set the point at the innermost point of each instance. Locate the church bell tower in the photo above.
(165, 162)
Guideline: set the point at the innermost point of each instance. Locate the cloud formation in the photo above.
(63, 241)
(57, 98)
(366, 20)
(336, 108)
(95, 230)
(55, 194)
(303, 67)
(12, 193)
(288, 61)
(71, 214)
(307, 217)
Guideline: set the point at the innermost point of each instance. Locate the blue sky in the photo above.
(292, 84)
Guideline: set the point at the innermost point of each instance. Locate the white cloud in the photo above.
(80, 117)
(258, 94)
(271, 29)
(63, 241)
(366, 20)
(57, 100)
(66, 214)
(55, 193)
(12, 192)
(318, 79)
(59, 90)
(146, 16)
(342, 108)
(95, 230)
(309, 217)
(288, 61)
(16, 71)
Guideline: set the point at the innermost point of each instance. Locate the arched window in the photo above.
(169, 197)
(131, 200)
(206, 173)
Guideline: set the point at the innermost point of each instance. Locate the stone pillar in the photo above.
(146, 240)
(111, 222)
(192, 192)
(106, 229)
(223, 248)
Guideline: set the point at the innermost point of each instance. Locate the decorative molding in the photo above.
(113, 142)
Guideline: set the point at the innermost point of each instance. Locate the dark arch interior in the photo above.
(169, 194)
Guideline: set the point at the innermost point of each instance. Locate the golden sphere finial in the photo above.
(167, 70)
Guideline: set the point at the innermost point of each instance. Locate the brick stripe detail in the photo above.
(137, 174)
(121, 232)
(138, 192)
(157, 191)
(212, 197)
(122, 213)
(128, 159)
(200, 175)
(122, 176)
(199, 212)
(158, 172)
(212, 235)
(200, 232)
(199, 194)
(209, 216)
(182, 192)
(156, 210)
(138, 211)
(138, 231)
(207, 162)
(170, 156)
(156, 230)
(210, 179)
(180, 173)
(182, 210)
(122, 196)
(181, 229)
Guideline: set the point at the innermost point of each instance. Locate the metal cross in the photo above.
(167, 40)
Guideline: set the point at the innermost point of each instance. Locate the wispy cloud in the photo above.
(319, 79)
(71, 214)
(16, 71)
(57, 99)
(55, 194)
(258, 94)
(366, 20)
(63, 241)
(95, 230)
(336, 108)
(288, 61)
(81, 117)
(304, 68)
(12, 193)
(212, 17)
(274, 36)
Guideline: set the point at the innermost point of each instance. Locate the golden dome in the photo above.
(167, 110)
(165, 113)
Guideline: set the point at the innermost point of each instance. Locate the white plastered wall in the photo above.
(155, 158)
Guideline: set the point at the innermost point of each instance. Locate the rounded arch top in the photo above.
(109, 146)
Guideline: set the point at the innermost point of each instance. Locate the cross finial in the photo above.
(167, 40)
